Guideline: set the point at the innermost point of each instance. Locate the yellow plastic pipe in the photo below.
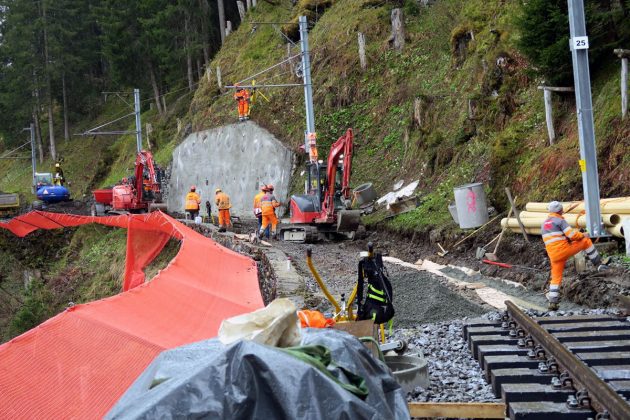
(607, 205)
(320, 282)
(575, 220)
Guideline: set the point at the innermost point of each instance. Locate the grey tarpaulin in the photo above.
(247, 380)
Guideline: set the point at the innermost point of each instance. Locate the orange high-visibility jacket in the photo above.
(192, 201)
(242, 95)
(222, 200)
(556, 233)
(257, 198)
(268, 204)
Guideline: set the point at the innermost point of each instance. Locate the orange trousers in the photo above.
(270, 218)
(243, 108)
(561, 252)
(224, 218)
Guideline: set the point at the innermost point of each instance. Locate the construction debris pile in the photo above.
(614, 211)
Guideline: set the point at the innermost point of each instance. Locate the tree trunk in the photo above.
(189, 62)
(398, 30)
(38, 135)
(199, 69)
(51, 123)
(66, 128)
(156, 89)
(205, 7)
(221, 7)
(241, 9)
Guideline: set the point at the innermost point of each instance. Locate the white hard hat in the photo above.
(555, 207)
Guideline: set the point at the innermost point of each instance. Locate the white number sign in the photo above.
(580, 43)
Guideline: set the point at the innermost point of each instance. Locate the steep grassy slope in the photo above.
(457, 105)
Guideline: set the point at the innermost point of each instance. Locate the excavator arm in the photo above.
(343, 146)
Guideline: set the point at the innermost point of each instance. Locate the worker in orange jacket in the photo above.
(268, 205)
(258, 209)
(562, 242)
(222, 200)
(192, 203)
(243, 98)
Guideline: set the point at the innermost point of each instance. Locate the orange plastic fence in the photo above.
(78, 363)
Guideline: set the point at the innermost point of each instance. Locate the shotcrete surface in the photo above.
(237, 158)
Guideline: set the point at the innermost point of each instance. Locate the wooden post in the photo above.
(241, 9)
(549, 116)
(148, 130)
(362, 59)
(164, 103)
(517, 214)
(624, 55)
(398, 30)
(228, 28)
(208, 71)
(547, 90)
(253, 3)
(219, 81)
(249, 4)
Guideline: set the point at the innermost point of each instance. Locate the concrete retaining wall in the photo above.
(237, 158)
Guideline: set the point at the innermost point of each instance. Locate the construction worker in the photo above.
(222, 200)
(242, 96)
(562, 242)
(209, 211)
(58, 178)
(268, 205)
(192, 203)
(258, 210)
(378, 305)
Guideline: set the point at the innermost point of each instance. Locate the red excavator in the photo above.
(139, 193)
(325, 208)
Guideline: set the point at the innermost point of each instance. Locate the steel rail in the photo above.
(599, 391)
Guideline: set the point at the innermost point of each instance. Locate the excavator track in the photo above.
(299, 233)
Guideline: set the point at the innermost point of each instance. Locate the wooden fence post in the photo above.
(398, 30)
(362, 59)
(219, 81)
(624, 55)
(228, 28)
(547, 90)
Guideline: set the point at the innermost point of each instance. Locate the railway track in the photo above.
(557, 367)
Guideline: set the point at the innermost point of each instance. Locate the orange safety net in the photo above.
(79, 363)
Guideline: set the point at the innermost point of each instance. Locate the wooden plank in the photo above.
(556, 89)
(457, 410)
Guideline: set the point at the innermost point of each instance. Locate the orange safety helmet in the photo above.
(193, 188)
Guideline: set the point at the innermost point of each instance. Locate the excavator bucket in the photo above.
(348, 220)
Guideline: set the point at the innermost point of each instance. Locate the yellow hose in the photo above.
(320, 282)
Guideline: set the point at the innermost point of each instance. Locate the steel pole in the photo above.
(308, 88)
(586, 129)
(136, 109)
(33, 158)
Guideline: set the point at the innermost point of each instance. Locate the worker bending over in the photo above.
(562, 242)
(192, 203)
(268, 205)
(242, 96)
(258, 209)
(58, 178)
(222, 200)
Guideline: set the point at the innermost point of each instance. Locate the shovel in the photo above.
(483, 252)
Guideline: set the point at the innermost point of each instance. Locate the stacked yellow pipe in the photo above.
(613, 210)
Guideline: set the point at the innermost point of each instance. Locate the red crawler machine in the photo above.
(325, 208)
(139, 194)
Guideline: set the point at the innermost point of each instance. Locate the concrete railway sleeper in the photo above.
(557, 367)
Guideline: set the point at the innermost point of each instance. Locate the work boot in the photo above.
(553, 296)
(602, 267)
